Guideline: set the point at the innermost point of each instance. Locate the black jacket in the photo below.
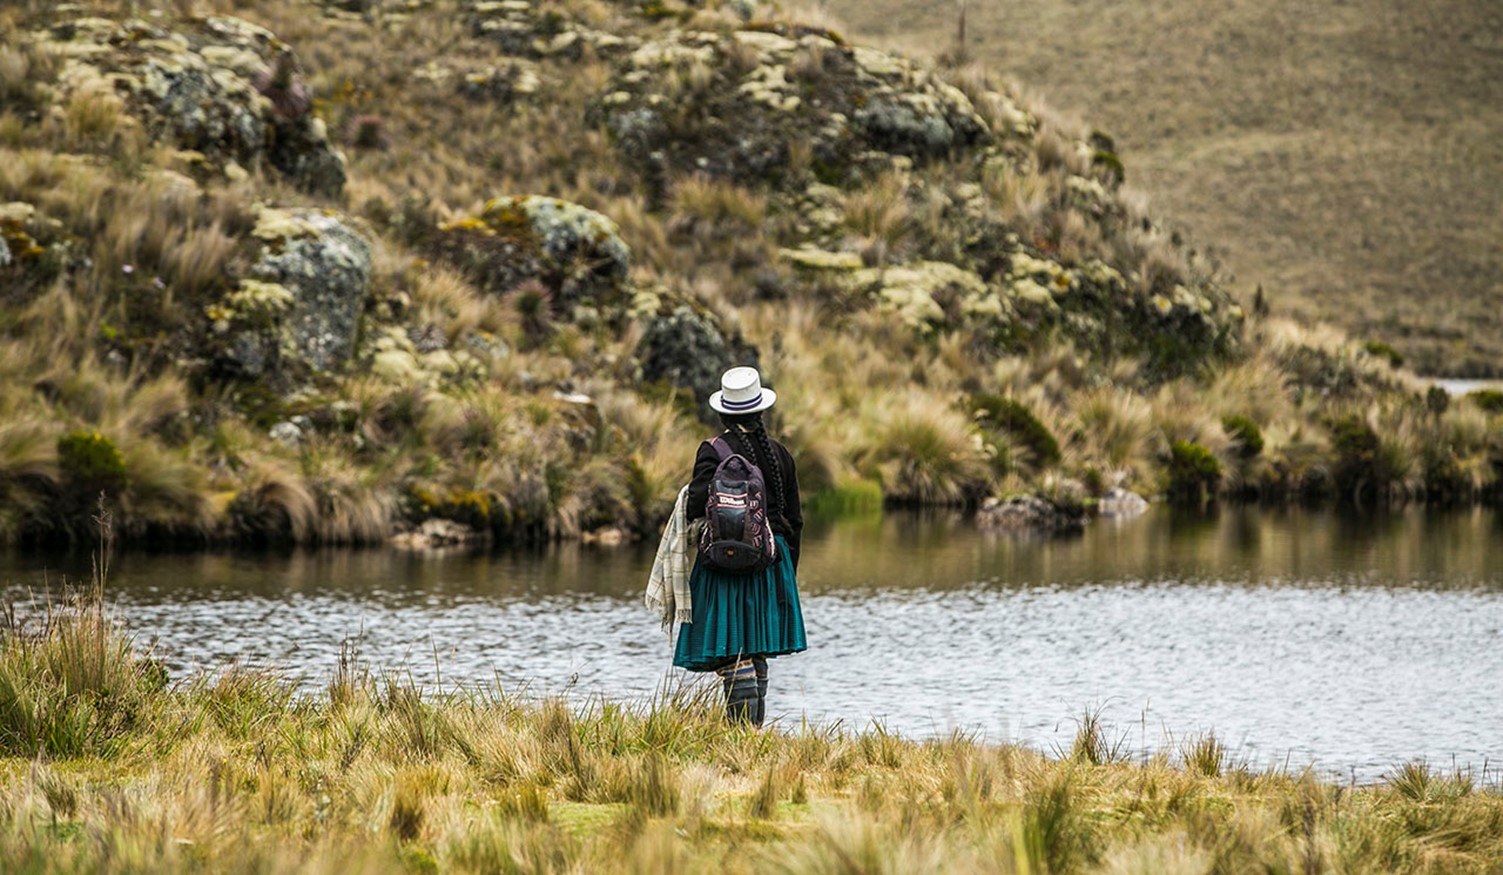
(785, 512)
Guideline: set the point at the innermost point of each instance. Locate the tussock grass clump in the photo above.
(926, 452)
(1040, 447)
(70, 683)
(1205, 755)
(1093, 744)
(1487, 400)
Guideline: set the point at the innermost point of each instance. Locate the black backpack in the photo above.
(738, 533)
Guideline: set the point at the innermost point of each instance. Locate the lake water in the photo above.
(1350, 643)
(1463, 387)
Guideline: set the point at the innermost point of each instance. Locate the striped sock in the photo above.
(740, 669)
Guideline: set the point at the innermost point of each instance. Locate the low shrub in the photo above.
(1379, 349)
(1194, 473)
(1445, 482)
(465, 506)
(91, 462)
(1358, 449)
(1437, 401)
(1247, 434)
(1487, 400)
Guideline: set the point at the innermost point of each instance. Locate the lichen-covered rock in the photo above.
(326, 268)
(742, 105)
(302, 151)
(576, 253)
(300, 307)
(930, 295)
(533, 30)
(194, 84)
(1174, 321)
(388, 13)
(685, 349)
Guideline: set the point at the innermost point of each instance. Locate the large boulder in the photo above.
(575, 253)
(686, 349)
(300, 308)
(743, 105)
(207, 85)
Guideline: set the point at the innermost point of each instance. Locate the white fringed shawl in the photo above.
(668, 584)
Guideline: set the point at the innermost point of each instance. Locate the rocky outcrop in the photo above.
(204, 85)
(1029, 513)
(929, 295)
(751, 104)
(300, 307)
(575, 253)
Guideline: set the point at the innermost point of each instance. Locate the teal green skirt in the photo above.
(740, 615)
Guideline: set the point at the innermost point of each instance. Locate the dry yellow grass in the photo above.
(104, 768)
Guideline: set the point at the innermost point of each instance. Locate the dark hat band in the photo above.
(735, 406)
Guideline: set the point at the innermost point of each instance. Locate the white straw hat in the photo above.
(741, 392)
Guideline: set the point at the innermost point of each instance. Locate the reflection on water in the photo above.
(1351, 641)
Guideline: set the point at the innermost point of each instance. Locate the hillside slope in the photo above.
(1344, 157)
(318, 271)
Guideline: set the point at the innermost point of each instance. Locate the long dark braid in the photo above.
(752, 422)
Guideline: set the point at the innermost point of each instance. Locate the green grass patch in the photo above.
(845, 499)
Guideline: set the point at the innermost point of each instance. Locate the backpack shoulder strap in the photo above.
(721, 446)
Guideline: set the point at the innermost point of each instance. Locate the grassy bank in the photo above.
(105, 766)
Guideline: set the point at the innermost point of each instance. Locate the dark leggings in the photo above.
(745, 683)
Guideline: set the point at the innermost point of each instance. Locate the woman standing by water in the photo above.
(740, 619)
